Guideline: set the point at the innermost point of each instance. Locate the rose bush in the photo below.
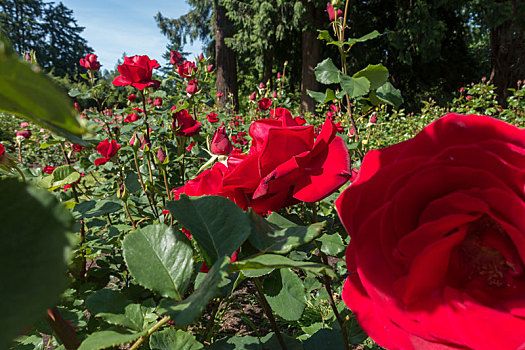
(436, 256)
(137, 71)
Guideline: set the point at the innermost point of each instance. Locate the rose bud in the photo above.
(161, 156)
(201, 57)
(192, 87)
(253, 96)
(220, 144)
(274, 94)
(373, 118)
(331, 12)
(209, 68)
(219, 94)
(77, 106)
(25, 134)
(132, 97)
(261, 86)
(279, 75)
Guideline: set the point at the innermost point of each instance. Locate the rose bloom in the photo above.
(264, 103)
(90, 62)
(48, 169)
(332, 13)
(184, 124)
(212, 117)
(186, 68)
(107, 149)
(175, 58)
(24, 134)
(133, 117)
(157, 101)
(132, 97)
(437, 249)
(136, 71)
(192, 87)
(2, 150)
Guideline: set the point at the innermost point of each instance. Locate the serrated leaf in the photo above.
(327, 73)
(89, 209)
(115, 309)
(376, 74)
(33, 96)
(285, 293)
(331, 244)
(173, 339)
(279, 235)
(389, 94)
(278, 261)
(185, 312)
(159, 259)
(366, 37)
(217, 224)
(106, 339)
(34, 252)
(355, 87)
(320, 97)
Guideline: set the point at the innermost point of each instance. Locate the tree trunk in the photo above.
(225, 60)
(507, 52)
(311, 48)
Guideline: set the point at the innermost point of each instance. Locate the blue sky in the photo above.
(113, 27)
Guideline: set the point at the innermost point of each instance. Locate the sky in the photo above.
(113, 27)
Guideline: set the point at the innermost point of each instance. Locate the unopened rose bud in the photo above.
(373, 118)
(132, 97)
(274, 94)
(209, 68)
(253, 96)
(201, 57)
(161, 156)
(24, 134)
(220, 144)
(192, 87)
(279, 76)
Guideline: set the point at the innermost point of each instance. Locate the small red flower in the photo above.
(24, 134)
(186, 68)
(184, 124)
(264, 103)
(90, 62)
(220, 144)
(132, 97)
(48, 169)
(157, 101)
(175, 58)
(192, 87)
(107, 149)
(212, 117)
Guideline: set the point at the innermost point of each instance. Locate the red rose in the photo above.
(209, 68)
(192, 87)
(220, 144)
(212, 117)
(184, 124)
(90, 62)
(175, 58)
(136, 71)
(280, 113)
(107, 149)
(132, 97)
(48, 169)
(24, 134)
(436, 256)
(2, 150)
(133, 117)
(157, 101)
(331, 12)
(186, 68)
(207, 183)
(264, 103)
(286, 165)
(253, 96)
(77, 148)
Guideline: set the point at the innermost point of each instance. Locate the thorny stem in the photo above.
(268, 311)
(143, 186)
(152, 330)
(62, 329)
(83, 269)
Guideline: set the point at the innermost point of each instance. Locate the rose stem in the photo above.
(142, 185)
(166, 183)
(327, 281)
(268, 311)
(82, 271)
(145, 116)
(62, 329)
(129, 215)
(152, 330)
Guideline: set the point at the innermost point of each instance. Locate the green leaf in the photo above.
(89, 209)
(324, 35)
(217, 224)
(237, 343)
(279, 235)
(64, 175)
(319, 97)
(285, 293)
(325, 339)
(159, 259)
(173, 339)
(355, 87)
(366, 37)
(106, 339)
(115, 308)
(29, 93)
(270, 342)
(389, 94)
(331, 244)
(327, 73)
(279, 261)
(34, 251)
(377, 75)
(132, 182)
(185, 312)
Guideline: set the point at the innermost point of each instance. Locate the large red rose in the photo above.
(107, 149)
(136, 71)
(437, 226)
